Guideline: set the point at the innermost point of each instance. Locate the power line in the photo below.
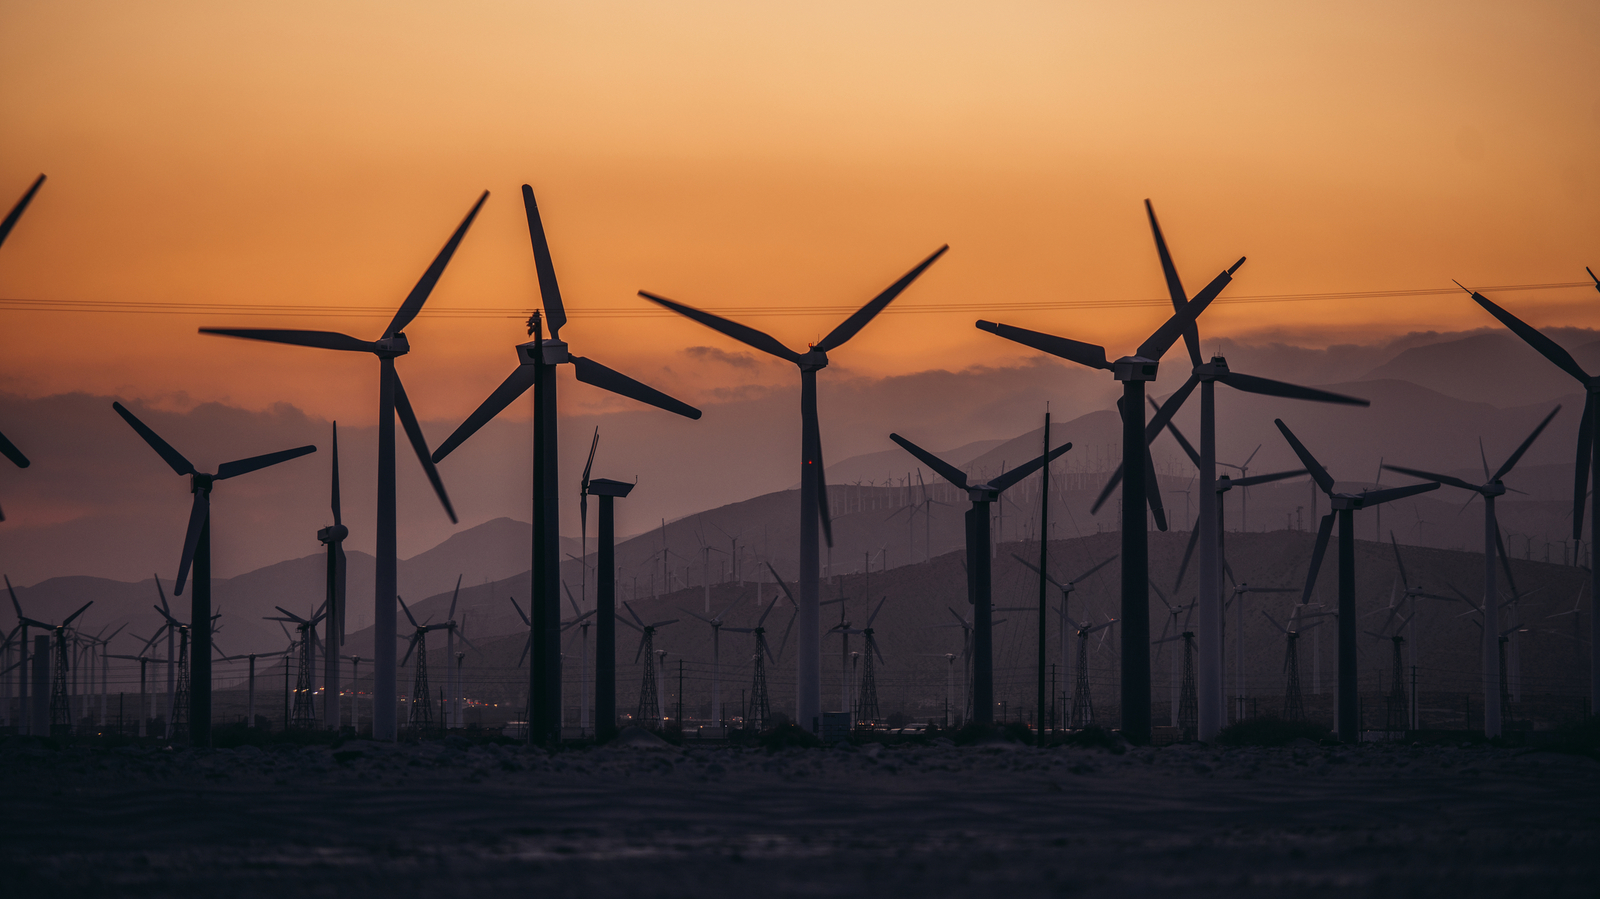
(644, 310)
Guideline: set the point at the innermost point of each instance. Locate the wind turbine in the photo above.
(1408, 594)
(1140, 485)
(580, 620)
(1491, 488)
(867, 703)
(1244, 472)
(979, 549)
(813, 485)
(420, 718)
(1240, 591)
(59, 631)
(1066, 597)
(1082, 702)
(1293, 707)
(1344, 506)
(7, 448)
(760, 708)
(1588, 461)
(716, 656)
(25, 718)
(649, 698)
(143, 658)
(333, 538)
(305, 713)
(197, 552)
(537, 360)
(392, 402)
(1171, 631)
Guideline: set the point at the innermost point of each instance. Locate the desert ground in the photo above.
(641, 818)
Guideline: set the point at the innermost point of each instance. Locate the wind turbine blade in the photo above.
(638, 652)
(1035, 569)
(1323, 533)
(1431, 476)
(1530, 335)
(555, 314)
(1011, 477)
(1101, 565)
(409, 648)
(589, 465)
(592, 372)
(322, 340)
(515, 385)
(17, 210)
(1168, 409)
(520, 613)
(406, 609)
(1183, 442)
(635, 615)
(1071, 350)
(1274, 621)
(451, 615)
(848, 328)
(1580, 473)
(786, 629)
(792, 600)
(77, 613)
(1393, 493)
(623, 620)
(748, 336)
(1152, 493)
(1516, 457)
(13, 593)
(199, 511)
(1269, 387)
(944, 469)
(408, 420)
(876, 611)
(163, 449)
(1266, 478)
(1180, 298)
(1168, 333)
(1188, 552)
(1505, 562)
(419, 294)
(1404, 579)
(762, 620)
(256, 463)
(10, 451)
(1105, 492)
(1318, 473)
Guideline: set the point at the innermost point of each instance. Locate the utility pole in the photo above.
(1044, 544)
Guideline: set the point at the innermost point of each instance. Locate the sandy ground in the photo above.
(438, 819)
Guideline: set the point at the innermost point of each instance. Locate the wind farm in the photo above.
(1279, 581)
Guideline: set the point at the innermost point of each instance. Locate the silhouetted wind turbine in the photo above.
(537, 360)
(978, 560)
(333, 538)
(1491, 488)
(7, 448)
(392, 401)
(1588, 462)
(197, 552)
(1139, 486)
(1344, 506)
(813, 486)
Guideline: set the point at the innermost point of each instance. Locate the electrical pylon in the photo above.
(1189, 698)
(760, 709)
(1399, 707)
(867, 707)
(60, 703)
(304, 716)
(179, 728)
(649, 711)
(1294, 708)
(1082, 705)
(421, 718)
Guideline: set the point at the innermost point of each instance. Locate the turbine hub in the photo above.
(1493, 489)
(1342, 501)
(1134, 368)
(333, 533)
(201, 483)
(555, 352)
(390, 347)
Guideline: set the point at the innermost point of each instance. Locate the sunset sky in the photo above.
(302, 156)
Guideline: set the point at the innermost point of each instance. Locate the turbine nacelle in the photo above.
(200, 482)
(333, 533)
(812, 360)
(555, 352)
(1213, 370)
(392, 346)
(983, 493)
(1493, 488)
(1135, 368)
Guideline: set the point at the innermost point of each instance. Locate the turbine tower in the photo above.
(605, 605)
(979, 550)
(813, 487)
(1344, 506)
(1139, 487)
(1491, 488)
(537, 360)
(197, 552)
(392, 402)
(333, 538)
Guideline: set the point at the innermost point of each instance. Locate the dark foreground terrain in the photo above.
(445, 819)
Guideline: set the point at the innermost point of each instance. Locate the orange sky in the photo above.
(731, 154)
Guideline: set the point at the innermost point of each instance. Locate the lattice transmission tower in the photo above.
(1189, 696)
(1294, 708)
(1082, 704)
